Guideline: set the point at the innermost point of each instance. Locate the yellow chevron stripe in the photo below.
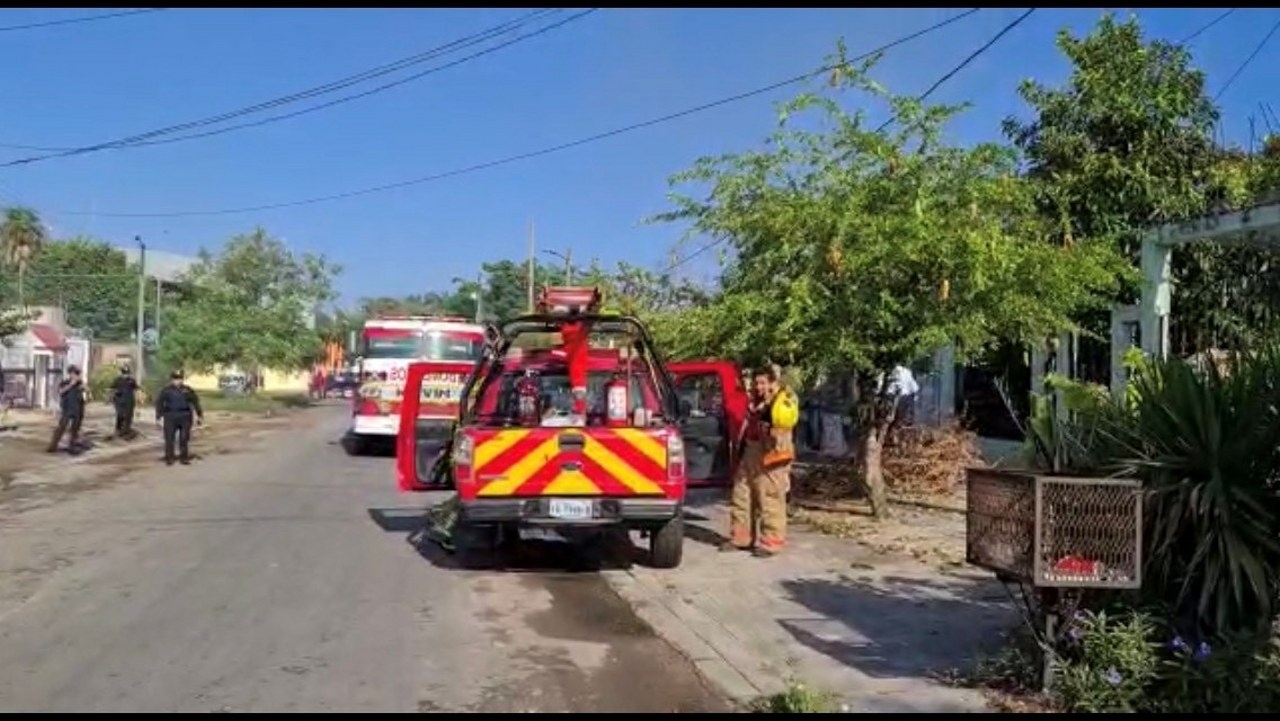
(619, 469)
(494, 446)
(645, 443)
(571, 483)
(522, 471)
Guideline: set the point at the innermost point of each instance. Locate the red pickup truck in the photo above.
(644, 433)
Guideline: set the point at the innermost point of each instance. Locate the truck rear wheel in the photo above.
(355, 445)
(666, 544)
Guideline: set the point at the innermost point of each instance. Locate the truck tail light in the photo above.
(463, 451)
(675, 457)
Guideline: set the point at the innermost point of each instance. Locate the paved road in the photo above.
(277, 577)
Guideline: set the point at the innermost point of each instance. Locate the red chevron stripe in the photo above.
(630, 455)
(513, 455)
(539, 481)
(608, 485)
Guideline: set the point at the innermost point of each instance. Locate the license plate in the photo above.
(569, 510)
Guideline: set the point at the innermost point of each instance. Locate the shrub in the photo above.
(1242, 675)
(100, 380)
(1204, 441)
(798, 698)
(1107, 663)
(1125, 663)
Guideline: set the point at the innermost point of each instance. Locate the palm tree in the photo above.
(22, 235)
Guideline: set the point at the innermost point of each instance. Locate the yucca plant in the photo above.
(1069, 443)
(1205, 441)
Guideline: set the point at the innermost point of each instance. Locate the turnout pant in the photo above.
(124, 420)
(177, 429)
(758, 509)
(69, 425)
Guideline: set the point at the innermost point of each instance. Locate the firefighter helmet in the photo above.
(784, 413)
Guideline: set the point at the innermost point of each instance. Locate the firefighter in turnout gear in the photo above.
(758, 514)
(177, 405)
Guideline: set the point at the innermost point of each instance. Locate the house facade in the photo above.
(35, 360)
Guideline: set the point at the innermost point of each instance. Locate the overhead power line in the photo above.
(536, 153)
(976, 54)
(366, 93)
(329, 87)
(921, 97)
(1249, 60)
(1204, 28)
(483, 36)
(965, 63)
(81, 19)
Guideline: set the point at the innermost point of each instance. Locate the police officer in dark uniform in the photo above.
(177, 405)
(124, 396)
(71, 404)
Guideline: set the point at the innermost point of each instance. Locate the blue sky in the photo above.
(75, 85)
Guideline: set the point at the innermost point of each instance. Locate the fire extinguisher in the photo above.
(619, 402)
(528, 393)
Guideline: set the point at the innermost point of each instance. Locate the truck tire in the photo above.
(475, 547)
(355, 445)
(666, 544)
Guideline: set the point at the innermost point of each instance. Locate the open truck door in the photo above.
(714, 407)
(428, 418)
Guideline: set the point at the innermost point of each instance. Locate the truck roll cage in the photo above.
(495, 352)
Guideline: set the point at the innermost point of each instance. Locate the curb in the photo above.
(716, 653)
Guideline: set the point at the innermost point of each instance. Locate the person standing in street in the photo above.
(71, 404)
(758, 511)
(177, 406)
(124, 396)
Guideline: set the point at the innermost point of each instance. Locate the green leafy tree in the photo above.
(12, 322)
(92, 281)
(430, 303)
(249, 307)
(22, 236)
(1127, 143)
(336, 326)
(863, 248)
(506, 284)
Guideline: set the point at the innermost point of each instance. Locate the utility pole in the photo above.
(567, 257)
(159, 291)
(533, 263)
(479, 298)
(140, 371)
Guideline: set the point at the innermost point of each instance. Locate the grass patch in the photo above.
(264, 403)
(798, 698)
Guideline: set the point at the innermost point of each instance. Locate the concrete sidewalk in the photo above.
(832, 614)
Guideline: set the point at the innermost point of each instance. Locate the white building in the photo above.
(35, 361)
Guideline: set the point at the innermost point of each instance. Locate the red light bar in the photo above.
(570, 300)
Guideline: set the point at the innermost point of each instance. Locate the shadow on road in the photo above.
(606, 550)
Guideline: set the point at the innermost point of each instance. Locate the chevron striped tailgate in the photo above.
(532, 462)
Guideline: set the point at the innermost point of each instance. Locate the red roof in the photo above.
(49, 337)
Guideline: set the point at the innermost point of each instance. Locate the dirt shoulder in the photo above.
(27, 471)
